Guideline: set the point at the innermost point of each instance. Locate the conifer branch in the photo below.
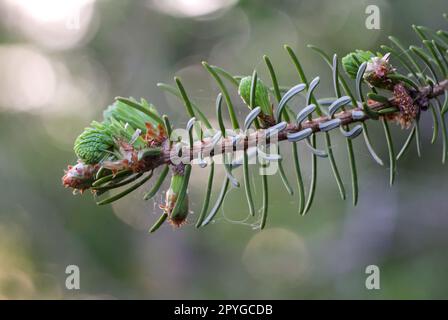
(133, 140)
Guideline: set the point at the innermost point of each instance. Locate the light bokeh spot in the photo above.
(29, 79)
(276, 256)
(191, 8)
(52, 23)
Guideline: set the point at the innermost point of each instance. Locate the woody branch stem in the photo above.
(346, 117)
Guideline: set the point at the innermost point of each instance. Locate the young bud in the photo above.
(352, 61)
(93, 144)
(377, 72)
(121, 112)
(179, 217)
(261, 95)
(80, 176)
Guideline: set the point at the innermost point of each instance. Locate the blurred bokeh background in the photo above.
(63, 62)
